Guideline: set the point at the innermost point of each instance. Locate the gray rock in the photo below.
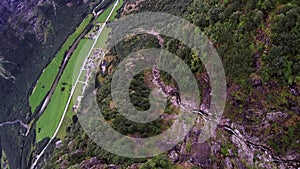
(228, 163)
(134, 166)
(173, 155)
(276, 117)
(200, 154)
(244, 152)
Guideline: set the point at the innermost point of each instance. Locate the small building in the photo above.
(103, 66)
(58, 144)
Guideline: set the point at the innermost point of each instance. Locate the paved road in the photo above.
(73, 89)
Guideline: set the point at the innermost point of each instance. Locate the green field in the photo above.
(101, 18)
(48, 76)
(114, 14)
(105, 32)
(68, 118)
(49, 121)
(101, 43)
(82, 76)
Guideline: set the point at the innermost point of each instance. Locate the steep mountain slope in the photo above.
(31, 33)
(258, 42)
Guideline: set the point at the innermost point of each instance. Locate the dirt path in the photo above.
(15, 122)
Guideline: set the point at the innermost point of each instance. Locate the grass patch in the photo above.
(101, 42)
(77, 92)
(101, 18)
(48, 75)
(68, 118)
(83, 76)
(48, 122)
(114, 14)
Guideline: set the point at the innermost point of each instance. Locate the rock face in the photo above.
(174, 156)
(95, 163)
(200, 154)
(90, 163)
(276, 117)
(243, 150)
(19, 17)
(24, 16)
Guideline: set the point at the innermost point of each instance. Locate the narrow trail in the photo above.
(15, 122)
(25, 126)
